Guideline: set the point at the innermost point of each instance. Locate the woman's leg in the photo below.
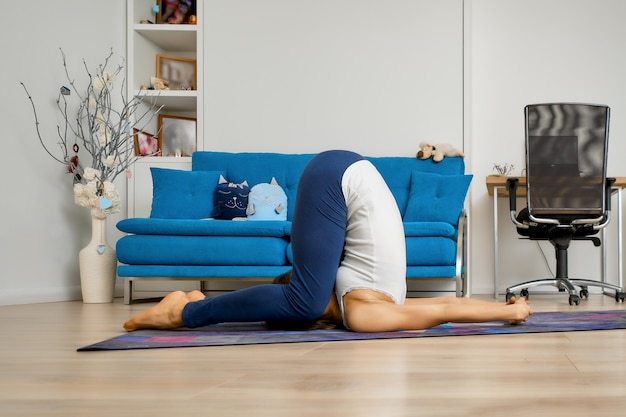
(387, 316)
(318, 232)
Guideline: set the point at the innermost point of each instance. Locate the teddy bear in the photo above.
(437, 152)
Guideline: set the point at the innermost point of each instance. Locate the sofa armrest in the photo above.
(463, 290)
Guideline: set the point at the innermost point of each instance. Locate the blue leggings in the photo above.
(317, 236)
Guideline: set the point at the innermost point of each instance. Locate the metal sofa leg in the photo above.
(128, 290)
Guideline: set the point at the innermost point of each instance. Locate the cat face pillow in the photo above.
(230, 199)
(267, 201)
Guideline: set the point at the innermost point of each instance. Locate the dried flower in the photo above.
(110, 161)
(504, 169)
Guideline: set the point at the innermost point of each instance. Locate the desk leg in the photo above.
(496, 254)
(620, 268)
(603, 256)
(620, 264)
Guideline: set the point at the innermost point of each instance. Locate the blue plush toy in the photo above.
(230, 199)
(267, 201)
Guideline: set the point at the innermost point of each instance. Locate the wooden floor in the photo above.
(556, 374)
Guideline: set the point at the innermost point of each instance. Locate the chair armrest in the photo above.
(606, 217)
(607, 195)
(511, 187)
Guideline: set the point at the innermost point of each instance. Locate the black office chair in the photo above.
(567, 192)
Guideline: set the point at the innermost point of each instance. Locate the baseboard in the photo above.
(39, 295)
(47, 295)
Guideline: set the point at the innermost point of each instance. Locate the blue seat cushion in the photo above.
(195, 227)
(201, 250)
(430, 251)
(430, 272)
(200, 271)
(429, 229)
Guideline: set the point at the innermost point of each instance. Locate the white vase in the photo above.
(97, 263)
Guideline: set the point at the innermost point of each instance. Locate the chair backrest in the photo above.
(566, 154)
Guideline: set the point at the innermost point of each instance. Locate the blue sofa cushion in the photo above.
(430, 251)
(201, 271)
(180, 194)
(429, 229)
(430, 271)
(424, 250)
(202, 250)
(396, 172)
(194, 227)
(435, 197)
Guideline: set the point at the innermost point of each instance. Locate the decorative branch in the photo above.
(102, 132)
(504, 169)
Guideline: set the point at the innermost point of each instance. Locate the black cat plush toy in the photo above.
(231, 200)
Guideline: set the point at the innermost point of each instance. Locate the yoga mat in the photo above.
(255, 333)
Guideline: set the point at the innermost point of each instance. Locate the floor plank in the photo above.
(569, 374)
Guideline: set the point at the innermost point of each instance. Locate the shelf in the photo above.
(169, 37)
(144, 42)
(163, 160)
(173, 100)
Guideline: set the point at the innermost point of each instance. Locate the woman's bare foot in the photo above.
(522, 309)
(168, 314)
(195, 295)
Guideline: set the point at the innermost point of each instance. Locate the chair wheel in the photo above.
(619, 296)
(524, 293)
(584, 293)
(509, 295)
(574, 299)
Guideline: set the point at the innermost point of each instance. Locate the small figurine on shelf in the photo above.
(159, 84)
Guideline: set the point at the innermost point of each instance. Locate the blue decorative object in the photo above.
(105, 203)
(267, 201)
(230, 199)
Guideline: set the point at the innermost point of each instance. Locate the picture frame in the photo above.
(146, 144)
(180, 73)
(175, 12)
(178, 135)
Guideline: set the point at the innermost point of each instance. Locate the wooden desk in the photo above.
(496, 187)
(499, 182)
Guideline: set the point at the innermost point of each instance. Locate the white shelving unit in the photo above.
(144, 42)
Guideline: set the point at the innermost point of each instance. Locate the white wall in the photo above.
(297, 77)
(534, 51)
(41, 230)
(376, 77)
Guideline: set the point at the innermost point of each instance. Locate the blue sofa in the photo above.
(181, 241)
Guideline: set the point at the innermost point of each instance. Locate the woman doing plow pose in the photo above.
(349, 266)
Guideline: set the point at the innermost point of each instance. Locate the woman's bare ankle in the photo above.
(167, 314)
